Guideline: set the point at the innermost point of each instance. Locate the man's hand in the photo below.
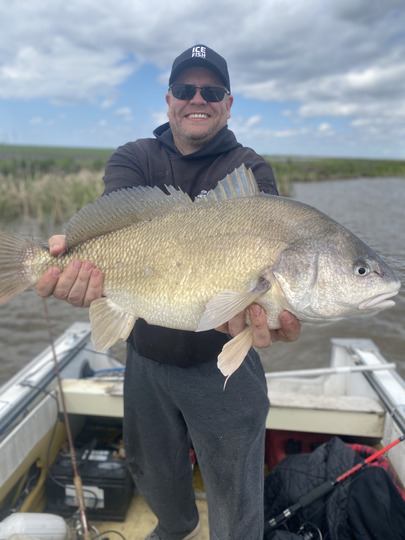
(79, 284)
(262, 335)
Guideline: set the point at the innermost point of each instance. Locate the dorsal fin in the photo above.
(240, 183)
(133, 205)
(121, 209)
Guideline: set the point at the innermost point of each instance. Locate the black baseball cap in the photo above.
(201, 55)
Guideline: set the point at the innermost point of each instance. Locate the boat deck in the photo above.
(140, 521)
(366, 407)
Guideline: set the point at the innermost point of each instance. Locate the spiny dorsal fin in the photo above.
(133, 205)
(240, 183)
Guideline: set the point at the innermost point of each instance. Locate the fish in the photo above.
(194, 264)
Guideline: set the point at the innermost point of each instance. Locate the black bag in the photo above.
(366, 506)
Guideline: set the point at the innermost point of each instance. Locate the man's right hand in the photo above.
(79, 283)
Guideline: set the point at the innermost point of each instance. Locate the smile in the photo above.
(197, 115)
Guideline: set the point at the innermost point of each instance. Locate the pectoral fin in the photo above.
(109, 323)
(227, 304)
(234, 352)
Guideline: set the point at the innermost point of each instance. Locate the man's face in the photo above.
(195, 122)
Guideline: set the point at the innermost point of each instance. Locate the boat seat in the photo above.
(93, 397)
(346, 415)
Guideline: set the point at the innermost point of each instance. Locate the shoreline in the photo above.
(48, 182)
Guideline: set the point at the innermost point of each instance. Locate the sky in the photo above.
(309, 77)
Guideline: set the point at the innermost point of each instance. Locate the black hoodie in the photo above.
(158, 162)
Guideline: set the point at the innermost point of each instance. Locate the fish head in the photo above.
(334, 277)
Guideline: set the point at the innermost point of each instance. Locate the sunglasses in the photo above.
(211, 94)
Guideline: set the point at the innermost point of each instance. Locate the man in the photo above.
(173, 393)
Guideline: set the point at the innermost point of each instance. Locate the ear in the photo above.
(168, 101)
(229, 105)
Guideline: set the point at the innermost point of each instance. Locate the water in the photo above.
(371, 208)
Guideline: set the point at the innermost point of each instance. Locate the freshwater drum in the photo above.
(193, 265)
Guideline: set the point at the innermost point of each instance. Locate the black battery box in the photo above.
(107, 485)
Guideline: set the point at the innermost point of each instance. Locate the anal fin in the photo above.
(109, 323)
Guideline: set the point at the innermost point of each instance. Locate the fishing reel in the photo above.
(309, 531)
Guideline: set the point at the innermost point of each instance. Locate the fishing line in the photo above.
(101, 535)
(325, 488)
(76, 476)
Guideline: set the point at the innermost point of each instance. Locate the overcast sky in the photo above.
(309, 77)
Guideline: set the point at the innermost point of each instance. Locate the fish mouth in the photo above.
(380, 301)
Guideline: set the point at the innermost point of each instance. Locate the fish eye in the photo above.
(362, 269)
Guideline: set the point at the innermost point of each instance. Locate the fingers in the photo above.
(94, 287)
(237, 324)
(234, 326)
(258, 322)
(46, 285)
(290, 328)
(79, 284)
(262, 335)
(57, 244)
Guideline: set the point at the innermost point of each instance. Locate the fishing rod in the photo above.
(77, 481)
(325, 488)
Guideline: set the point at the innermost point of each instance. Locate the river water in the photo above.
(371, 208)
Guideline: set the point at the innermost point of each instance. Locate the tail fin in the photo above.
(14, 277)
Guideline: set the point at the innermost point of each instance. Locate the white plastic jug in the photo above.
(30, 526)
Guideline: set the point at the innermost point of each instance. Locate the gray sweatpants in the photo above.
(165, 407)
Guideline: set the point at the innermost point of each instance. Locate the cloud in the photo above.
(125, 113)
(252, 128)
(40, 121)
(334, 65)
(36, 121)
(57, 51)
(159, 117)
(253, 120)
(325, 129)
(320, 61)
(63, 74)
(107, 104)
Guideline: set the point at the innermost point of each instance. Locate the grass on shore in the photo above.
(33, 161)
(289, 170)
(49, 182)
(38, 182)
(58, 196)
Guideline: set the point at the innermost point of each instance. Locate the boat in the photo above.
(359, 397)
